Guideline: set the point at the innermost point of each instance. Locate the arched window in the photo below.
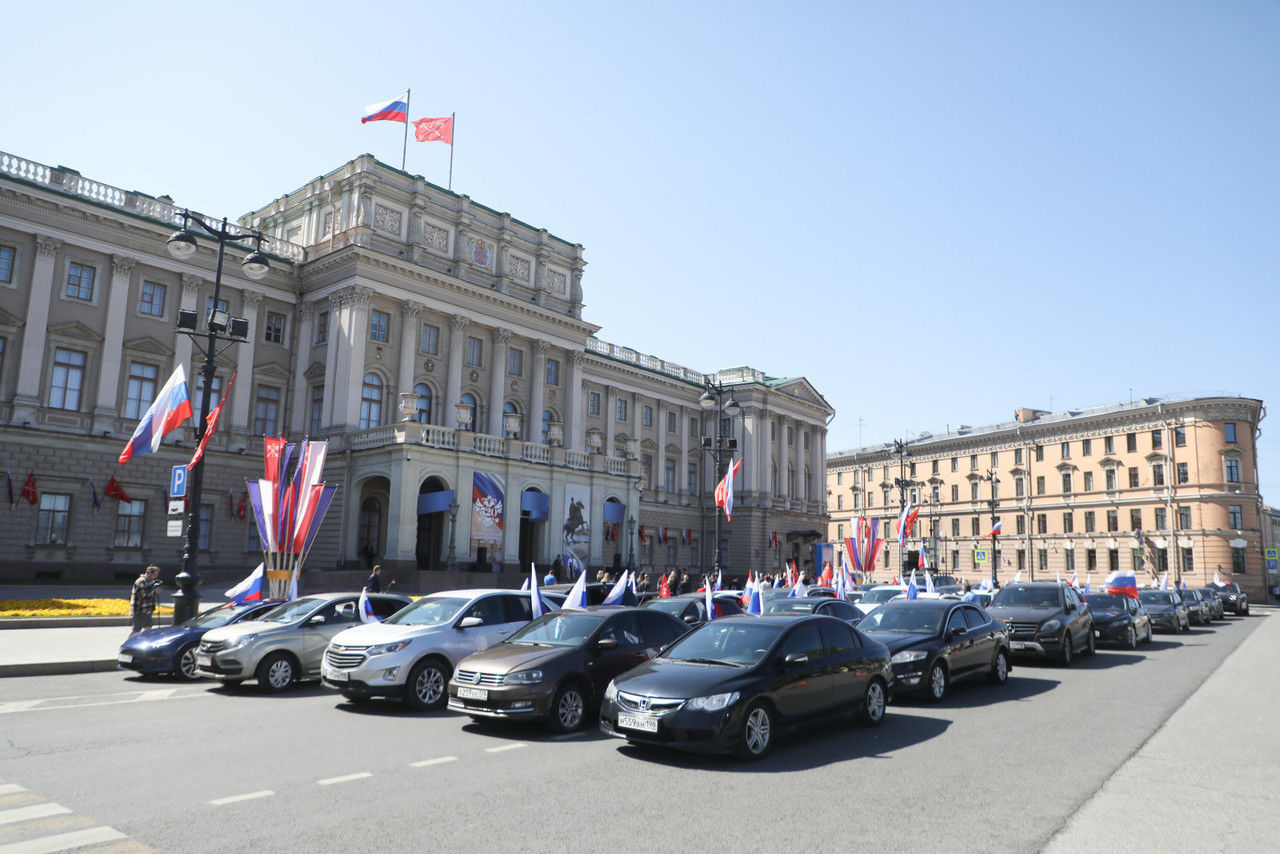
(370, 526)
(547, 417)
(469, 399)
(510, 408)
(424, 403)
(371, 401)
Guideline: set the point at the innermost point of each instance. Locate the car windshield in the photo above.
(220, 615)
(1208, 592)
(290, 611)
(1228, 588)
(1156, 597)
(1028, 597)
(558, 629)
(1105, 601)
(667, 606)
(904, 618)
(737, 644)
(875, 597)
(429, 611)
(788, 606)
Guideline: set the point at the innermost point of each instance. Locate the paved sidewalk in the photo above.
(1214, 760)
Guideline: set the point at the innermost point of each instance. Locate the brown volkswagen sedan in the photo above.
(557, 667)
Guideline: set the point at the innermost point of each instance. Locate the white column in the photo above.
(410, 328)
(746, 449)
(453, 383)
(497, 371)
(334, 343)
(112, 355)
(301, 387)
(240, 403)
(610, 419)
(575, 404)
(351, 375)
(682, 427)
(798, 458)
(402, 515)
(660, 464)
(538, 384)
(31, 360)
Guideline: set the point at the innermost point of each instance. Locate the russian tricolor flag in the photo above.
(394, 110)
(249, 590)
(1122, 583)
(366, 608)
(171, 407)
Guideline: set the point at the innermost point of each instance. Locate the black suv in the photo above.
(1233, 598)
(1045, 618)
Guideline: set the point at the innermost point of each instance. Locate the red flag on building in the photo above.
(434, 130)
(211, 423)
(244, 496)
(115, 490)
(29, 488)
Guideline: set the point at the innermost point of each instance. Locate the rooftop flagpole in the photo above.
(453, 137)
(404, 148)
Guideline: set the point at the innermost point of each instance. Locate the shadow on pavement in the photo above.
(825, 744)
(969, 695)
(536, 731)
(251, 689)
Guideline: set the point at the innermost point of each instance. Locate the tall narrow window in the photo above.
(80, 281)
(371, 401)
(316, 415)
(266, 411)
(430, 341)
(7, 257)
(553, 372)
(1229, 432)
(273, 329)
(151, 299)
(141, 389)
(379, 325)
(129, 524)
(51, 522)
(475, 352)
(67, 379)
(423, 414)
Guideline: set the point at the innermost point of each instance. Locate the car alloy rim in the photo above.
(875, 701)
(187, 664)
(937, 681)
(570, 709)
(1002, 668)
(280, 674)
(758, 730)
(430, 685)
(1133, 638)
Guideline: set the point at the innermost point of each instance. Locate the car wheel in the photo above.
(757, 732)
(937, 682)
(185, 665)
(276, 672)
(1067, 653)
(1244, 609)
(427, 688)
(1131, 638)
(873, 703)
(999, 668)
(1150, 633)
(569, 708)
(1092, 645)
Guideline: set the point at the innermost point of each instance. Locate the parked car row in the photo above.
(662, 673)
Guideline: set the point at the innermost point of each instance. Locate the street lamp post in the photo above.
(713, 398)
(631, 543)
(453, 535)
(901, 451)
(220, 327)
(993, 503)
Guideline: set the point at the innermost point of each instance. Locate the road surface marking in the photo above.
(162, 694)
(28, 705)
(345, 779)
(10, 788)
(504, 747)
(437, 761)
(35, 811)
(18, 705)
(63, 841)
(265, 793)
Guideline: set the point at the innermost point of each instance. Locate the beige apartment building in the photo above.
(1153, 485)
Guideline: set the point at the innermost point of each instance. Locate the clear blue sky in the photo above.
(936, 211)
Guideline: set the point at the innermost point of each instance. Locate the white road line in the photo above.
(348, 778)
(18, 705)
(10, 788)
(265, 793)
(34, 811)
(63, 841)
(437, 761)
(4, 710)
(161, 694)
(504, 747)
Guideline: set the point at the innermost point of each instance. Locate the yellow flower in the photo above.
(12, 608)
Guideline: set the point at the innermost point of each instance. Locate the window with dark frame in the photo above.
(474, 352)
(1229, 432)
(266, 410)
(273, 329)
(8, 256)
(151, 299)
(379, 325)
(322, 328)
(515, 362)
(80, 281)
(553, 372)
(140, 390)
(52, 519)
(129, 524)
(429, 342)
(66, 379)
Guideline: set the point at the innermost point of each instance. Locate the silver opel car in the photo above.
(411, 655)
(285, 645)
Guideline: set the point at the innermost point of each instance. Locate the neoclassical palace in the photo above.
(1154, 485)
(474, 419)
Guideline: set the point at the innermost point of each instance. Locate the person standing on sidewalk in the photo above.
(142, 601)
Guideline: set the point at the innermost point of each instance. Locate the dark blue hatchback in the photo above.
(172, 649)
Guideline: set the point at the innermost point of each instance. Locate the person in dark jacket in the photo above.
(374, 584)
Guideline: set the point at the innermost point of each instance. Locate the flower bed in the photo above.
(70, 608)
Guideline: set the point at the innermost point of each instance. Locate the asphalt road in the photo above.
(194, 768)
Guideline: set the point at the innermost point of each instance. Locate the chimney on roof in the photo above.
(1026, 413)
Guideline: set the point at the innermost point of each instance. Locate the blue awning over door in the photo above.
(536, 504)
(614, 511)
(434, 502)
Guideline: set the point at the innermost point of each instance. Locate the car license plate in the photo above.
(125, 658)
(642, 724)
(1017, 645)
(203, 660)
(334, 675)
(472, 693)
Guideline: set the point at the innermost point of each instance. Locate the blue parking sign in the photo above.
(178, 482)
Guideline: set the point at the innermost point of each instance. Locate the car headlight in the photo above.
(611, 693)
(1051, 626)
(714, 703)
(523, 677)
(388, 648)
(909, 655)
(243, 640)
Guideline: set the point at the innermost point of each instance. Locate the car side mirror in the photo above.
(606, 643)
(1068, 607)
(317, 620)
(690, 619)
(469, 622)
(958, 631)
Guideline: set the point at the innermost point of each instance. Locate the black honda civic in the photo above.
(733, 684)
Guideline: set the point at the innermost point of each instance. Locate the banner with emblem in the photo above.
(488, 493)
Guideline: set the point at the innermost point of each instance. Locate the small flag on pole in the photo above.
(393, 110)
(171, 407)
(434, 130)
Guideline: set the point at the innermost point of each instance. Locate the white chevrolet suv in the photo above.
(412, 653)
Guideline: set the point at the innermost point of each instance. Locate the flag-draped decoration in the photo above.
(288, 507)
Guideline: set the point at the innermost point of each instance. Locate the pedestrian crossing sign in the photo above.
(980, 556)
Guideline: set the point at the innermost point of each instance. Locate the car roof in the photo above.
(475, 591)
(1039, 584)
(777, 619)
(808, 600)
(933, 604)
